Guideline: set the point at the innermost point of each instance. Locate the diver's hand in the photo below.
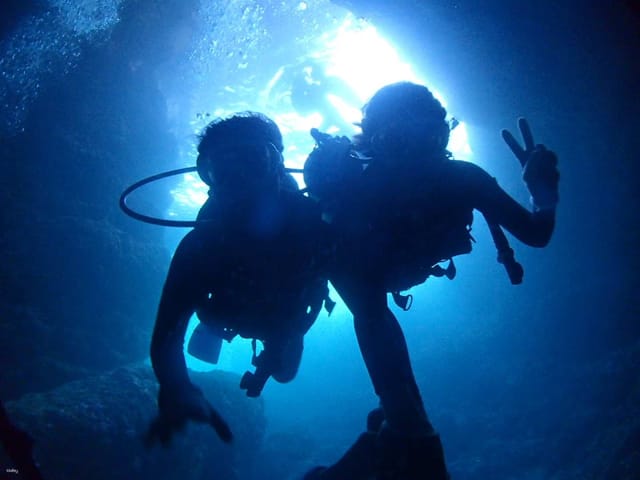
(330, 167)
(322, 137)
(319, 137)
(330, 152)
(177, 407)
(339, 144)
(539, 167)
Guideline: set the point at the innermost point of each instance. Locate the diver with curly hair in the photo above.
(255, 265)
(401, 205)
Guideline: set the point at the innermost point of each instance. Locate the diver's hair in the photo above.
(247, 124)
(404, 107)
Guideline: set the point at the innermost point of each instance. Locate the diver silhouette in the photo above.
(253, 266)
(400, 205)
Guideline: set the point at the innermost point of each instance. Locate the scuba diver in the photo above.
(400, 205)
(253, 266)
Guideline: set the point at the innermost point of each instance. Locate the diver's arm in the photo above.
(533, 227)
(177, 304)
(540, 174)
(179, 401)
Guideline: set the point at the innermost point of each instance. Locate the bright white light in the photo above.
(350, 113)
(360, 56)
(191, 193)
(235, 359)
(459, 142)
(361, 61)
(357, 56)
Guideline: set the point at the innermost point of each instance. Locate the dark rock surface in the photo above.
(513, 417)
(93, 428)
(81, 280)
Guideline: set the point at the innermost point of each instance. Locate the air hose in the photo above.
(154, 178)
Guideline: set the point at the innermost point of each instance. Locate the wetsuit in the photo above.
(256, 270)
(396, 224)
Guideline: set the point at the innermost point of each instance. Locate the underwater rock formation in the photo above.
(80, 280)
(93, 428)
(539, 419)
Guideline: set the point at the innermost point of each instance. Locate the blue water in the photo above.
(522, 382)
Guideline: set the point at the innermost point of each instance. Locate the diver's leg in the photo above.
(409, 458)
(381, 453)
(410, 439)
(385, 353)
(360, 461)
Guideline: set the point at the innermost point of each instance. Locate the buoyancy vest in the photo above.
(407, 226)
(396, 225)
(270, 275)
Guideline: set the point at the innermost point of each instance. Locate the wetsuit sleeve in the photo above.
(534, 228)
(177, 303)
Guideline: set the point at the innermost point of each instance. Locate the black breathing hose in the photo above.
(163, 221)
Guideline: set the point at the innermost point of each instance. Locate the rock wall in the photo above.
(81, 280)
(93, 428)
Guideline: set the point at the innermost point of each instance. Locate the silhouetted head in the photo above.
(404, 119)
(241, 154)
